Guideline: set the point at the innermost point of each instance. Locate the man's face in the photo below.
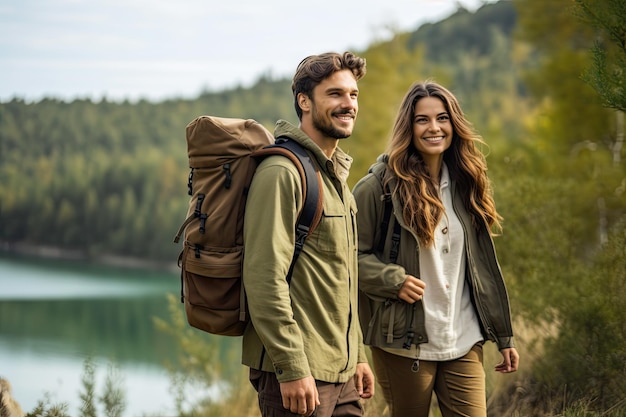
(334, 105)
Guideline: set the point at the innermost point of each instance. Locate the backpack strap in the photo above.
(384, 226)
(311, 213)
(379, 170)
(313, 192)
(395, 242)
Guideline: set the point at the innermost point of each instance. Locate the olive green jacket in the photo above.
(311, 326)
(389, 322)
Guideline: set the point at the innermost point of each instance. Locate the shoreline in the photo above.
(56, 253)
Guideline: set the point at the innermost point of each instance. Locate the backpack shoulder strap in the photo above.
(378, 169)
(312, 184)
(312, 189)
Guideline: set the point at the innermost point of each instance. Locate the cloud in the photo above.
(162, 48)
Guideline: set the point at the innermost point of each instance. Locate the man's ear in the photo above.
(304, 102)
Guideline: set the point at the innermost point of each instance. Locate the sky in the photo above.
(161, 49)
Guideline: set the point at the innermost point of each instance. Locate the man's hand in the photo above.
(364, 380)
(300, 396)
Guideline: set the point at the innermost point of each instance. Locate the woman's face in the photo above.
(432, 128)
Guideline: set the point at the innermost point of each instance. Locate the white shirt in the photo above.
(451, 322)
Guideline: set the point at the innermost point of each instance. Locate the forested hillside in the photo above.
(108, 177)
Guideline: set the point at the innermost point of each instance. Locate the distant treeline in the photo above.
(110, 177)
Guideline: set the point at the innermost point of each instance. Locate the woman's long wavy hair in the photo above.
(423, 207)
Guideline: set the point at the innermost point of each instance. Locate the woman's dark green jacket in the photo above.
(388, 322)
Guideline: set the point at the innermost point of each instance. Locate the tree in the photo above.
(607, 73)
(572, 273)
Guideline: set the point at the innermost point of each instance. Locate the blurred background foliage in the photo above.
(542, 81)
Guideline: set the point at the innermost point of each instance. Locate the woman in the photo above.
(431, 288)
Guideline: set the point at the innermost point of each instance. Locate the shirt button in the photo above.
(444, 230)
(445, 250)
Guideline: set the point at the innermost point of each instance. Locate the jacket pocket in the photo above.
(394, 320)
(385, 322)
(331, 231)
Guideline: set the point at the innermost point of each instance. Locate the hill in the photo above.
(109, 178)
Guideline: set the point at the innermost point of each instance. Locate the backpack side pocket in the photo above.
(212, 289)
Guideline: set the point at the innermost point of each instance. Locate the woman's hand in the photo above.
(412, 290)
(510, 361)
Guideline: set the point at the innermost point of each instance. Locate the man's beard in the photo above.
(325, 126)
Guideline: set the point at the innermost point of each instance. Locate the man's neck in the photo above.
(326, 144)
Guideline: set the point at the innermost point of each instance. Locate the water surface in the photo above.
(56, 314)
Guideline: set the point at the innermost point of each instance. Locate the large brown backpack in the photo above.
(223, 156)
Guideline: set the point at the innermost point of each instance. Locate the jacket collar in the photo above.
(338, 166)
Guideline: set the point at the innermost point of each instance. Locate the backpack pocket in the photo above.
(212, 289)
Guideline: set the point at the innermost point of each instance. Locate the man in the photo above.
(304, 345)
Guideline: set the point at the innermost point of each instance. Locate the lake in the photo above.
(56, 314)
